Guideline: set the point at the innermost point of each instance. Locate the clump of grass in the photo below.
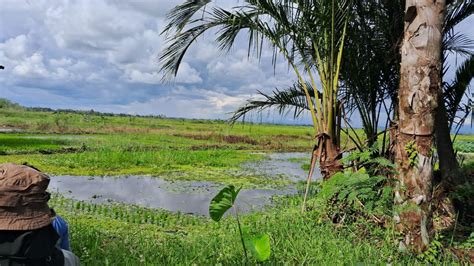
(26, 144)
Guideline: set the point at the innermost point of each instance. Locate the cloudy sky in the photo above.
(103, 55)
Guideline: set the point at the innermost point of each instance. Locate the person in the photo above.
(27, 235)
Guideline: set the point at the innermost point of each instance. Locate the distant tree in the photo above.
(7, 104)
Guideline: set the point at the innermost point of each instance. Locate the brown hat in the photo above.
(23, 198)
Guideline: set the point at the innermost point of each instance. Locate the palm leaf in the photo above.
(291, 98)
(456, 42)
(181, 15)
(456, 13)
(456, 90)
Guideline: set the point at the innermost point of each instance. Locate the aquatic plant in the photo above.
(259, 245)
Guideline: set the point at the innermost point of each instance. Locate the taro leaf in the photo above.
(259, 246)
(223, 201)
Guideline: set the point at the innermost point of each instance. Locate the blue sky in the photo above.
(103, 55)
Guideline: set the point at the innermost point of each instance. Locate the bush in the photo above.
(347, 196)
(365, 191)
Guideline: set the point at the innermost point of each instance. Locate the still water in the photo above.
(182, 196)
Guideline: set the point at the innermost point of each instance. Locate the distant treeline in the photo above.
(89, 112)
(7, 104)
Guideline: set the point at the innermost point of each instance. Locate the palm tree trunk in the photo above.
(448, 165)
(329, 156)
(420, 84)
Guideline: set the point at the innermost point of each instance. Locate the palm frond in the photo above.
(285, 100)
(456, 90)
(173, 54)
(181, 15)
(458, 43)
(456, 13)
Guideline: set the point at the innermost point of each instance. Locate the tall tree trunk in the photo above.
(420, 84)
(448, 165)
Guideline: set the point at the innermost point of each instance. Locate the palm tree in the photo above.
(420, 85)
(369, 73)
(309, 34)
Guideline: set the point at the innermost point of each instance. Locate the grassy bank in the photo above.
(124, 235)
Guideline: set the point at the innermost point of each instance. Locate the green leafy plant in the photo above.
(468, 244)
(347, 196)
(363, 191)
(412, 152)
(259, 245)
(368, 161)
(434, 251)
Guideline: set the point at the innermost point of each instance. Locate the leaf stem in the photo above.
(240, 231)
(308, 180)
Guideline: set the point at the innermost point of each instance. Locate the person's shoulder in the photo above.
(60, 224)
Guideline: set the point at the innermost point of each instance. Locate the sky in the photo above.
(103, 55)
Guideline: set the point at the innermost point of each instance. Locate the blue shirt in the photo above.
(62, 229)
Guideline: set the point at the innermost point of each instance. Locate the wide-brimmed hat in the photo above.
(23, 198)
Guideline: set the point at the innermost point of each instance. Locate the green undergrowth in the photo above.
(464, 146)
(126, 235)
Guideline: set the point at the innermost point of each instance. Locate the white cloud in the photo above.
(187, 74)
(196, 103)
(103, 55)
(92, 26)
(14, 47)
(135, 76)
(32, 67)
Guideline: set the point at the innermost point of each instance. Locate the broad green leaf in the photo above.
(259, 246)
(223, 201)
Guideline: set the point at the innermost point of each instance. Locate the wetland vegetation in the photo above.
(114, 233)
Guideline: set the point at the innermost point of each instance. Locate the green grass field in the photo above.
(178, 149)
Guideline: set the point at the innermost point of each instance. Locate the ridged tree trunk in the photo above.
(420, 84)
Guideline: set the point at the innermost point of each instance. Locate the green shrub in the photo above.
(367, 192)
(369, 161)
(346, 196)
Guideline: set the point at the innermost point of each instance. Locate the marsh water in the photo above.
(284, 165)
(183, 196)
